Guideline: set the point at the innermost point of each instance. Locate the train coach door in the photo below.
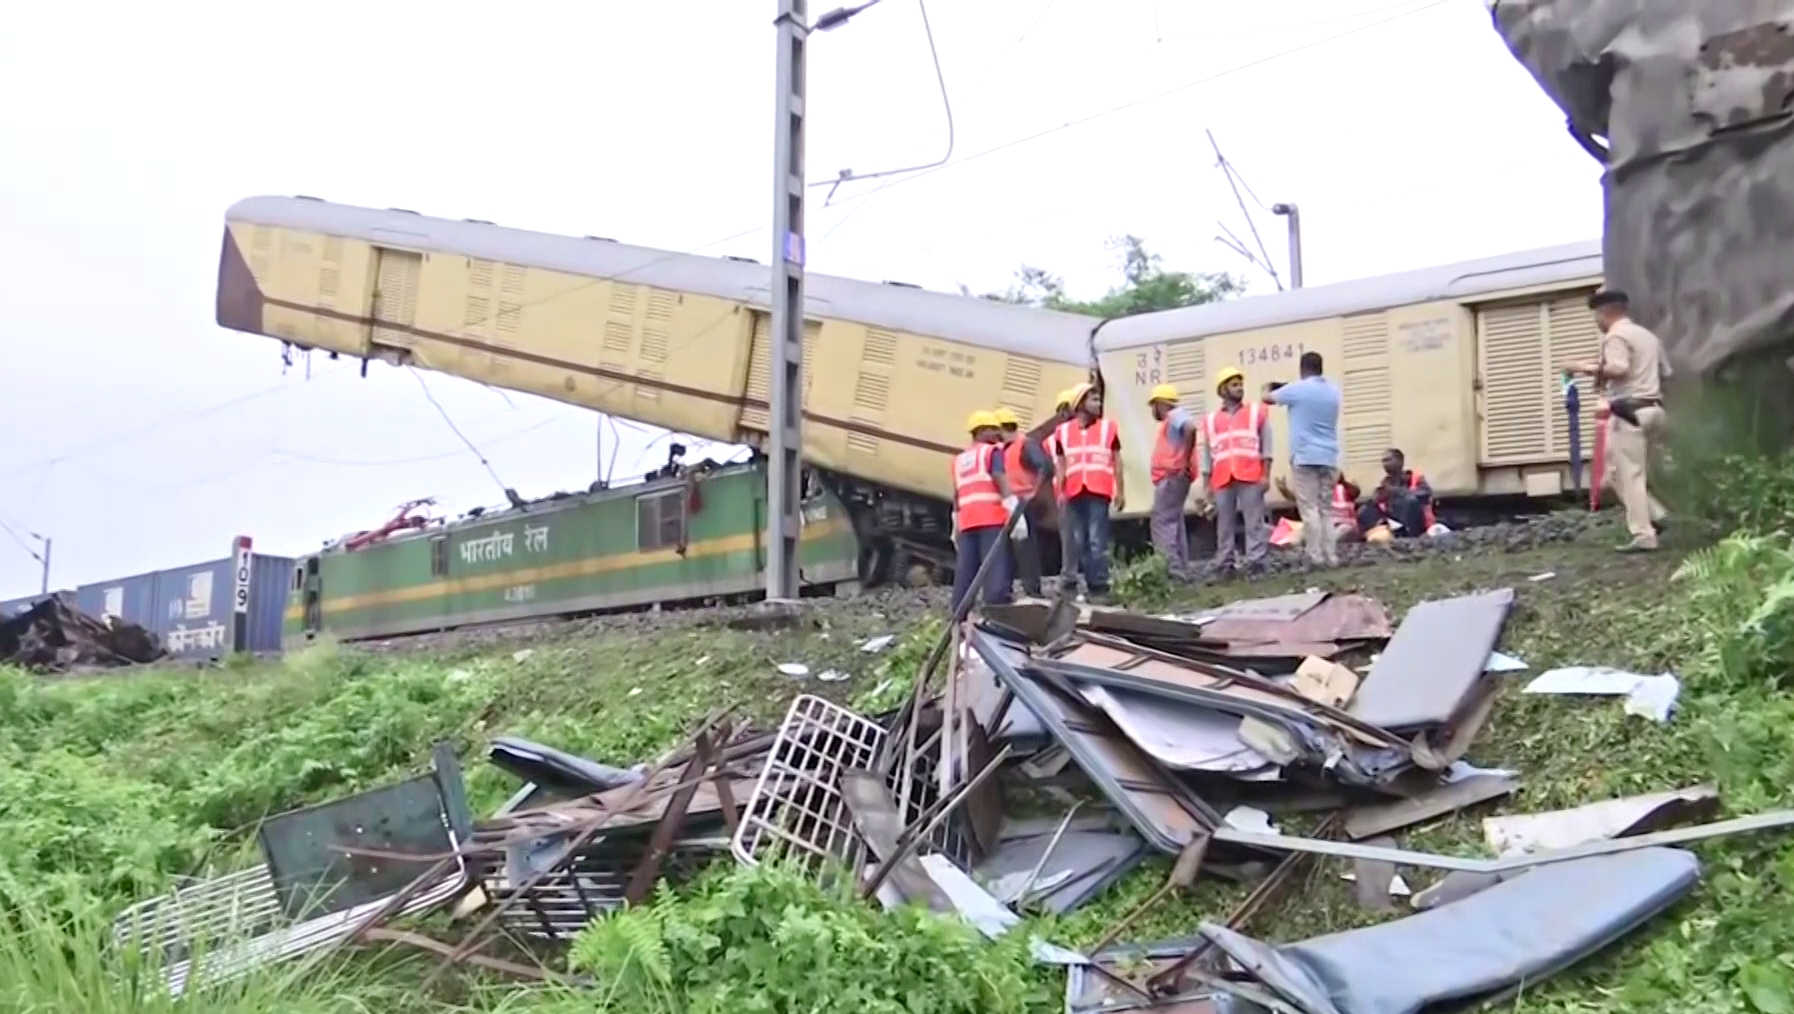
(314, 597)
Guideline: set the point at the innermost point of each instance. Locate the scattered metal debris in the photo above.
(1652, 697)
(1221, 740)
(53, 636)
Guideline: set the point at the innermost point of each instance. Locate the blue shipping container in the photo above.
(13, 607)
(193, 613)
(132, 599)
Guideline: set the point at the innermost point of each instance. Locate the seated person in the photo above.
(1403, 497)
(1342, 510)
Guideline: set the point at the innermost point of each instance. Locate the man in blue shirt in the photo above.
(1313, 404)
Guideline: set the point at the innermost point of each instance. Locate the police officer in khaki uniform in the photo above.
(1631, 370)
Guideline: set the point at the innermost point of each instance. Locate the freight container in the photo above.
(13, 607)
(132, 599)
(195, 606)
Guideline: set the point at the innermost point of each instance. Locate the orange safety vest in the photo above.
(1169, 456)
(1089, 462)
(1426, 515)
(1344, 511)
(1022, 480)
(975, 493)
(1233, 445)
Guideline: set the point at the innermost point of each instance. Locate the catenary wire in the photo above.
(1124, 107)
(849, 176)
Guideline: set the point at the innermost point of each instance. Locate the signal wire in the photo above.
(456, 430)
(849, 176)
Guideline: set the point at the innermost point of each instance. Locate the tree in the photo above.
(1147, 286)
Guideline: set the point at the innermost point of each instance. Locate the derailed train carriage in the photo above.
(1456, 364)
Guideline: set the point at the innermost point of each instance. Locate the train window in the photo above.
(439, 556)
(660, 520)
(299, 578)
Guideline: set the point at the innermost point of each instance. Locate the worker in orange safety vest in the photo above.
(1403, 497)
(1173, 469)
(982, 502)
(1235, 470)
(1088, 449)
(1030, 473)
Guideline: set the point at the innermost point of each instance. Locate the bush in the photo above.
(1741, 596)
(767, 940)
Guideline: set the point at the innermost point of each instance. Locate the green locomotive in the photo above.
(690, 538)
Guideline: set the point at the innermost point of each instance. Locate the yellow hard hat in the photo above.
(981, 420)
(1077, 392)
(1065, 398)
(1230, 373)
(1163, 392)
(1004, 417)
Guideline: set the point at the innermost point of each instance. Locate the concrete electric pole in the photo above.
(784, 477)
(1294, 214)
(785, 411)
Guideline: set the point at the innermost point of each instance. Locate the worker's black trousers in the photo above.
(1026, 552)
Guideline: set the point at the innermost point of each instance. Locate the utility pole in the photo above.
(1294, 214)
(44, 589)
(785, 358)
(784, 477)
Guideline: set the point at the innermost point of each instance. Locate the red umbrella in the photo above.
(1598, 468)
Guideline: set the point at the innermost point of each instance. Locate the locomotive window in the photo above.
(439, 556)
(298, 578)
(660, 520)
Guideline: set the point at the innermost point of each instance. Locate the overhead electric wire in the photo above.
(1124, 107)
(849, 176)
(8, 529)
(456, 430)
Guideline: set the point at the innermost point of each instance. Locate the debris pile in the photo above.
(1044, 751)
(53, 636)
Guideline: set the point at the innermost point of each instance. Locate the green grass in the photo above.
(112, 786)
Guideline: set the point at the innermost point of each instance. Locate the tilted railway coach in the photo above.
(1454, 364)
(674, 540)
(673, 340)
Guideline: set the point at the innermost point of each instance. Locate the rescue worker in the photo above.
(1068, 554)
(1089, 451)
(1313, 403)
(1631, 370)
(1028, 471)
(982, 501)
(1172, 470)
(1235, 470)
(1404, 496)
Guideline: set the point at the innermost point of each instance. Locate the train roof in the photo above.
(1464, 280)
(1045, 334)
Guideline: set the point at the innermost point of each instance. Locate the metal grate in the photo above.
(622, 299)
(661, 303)
(510, 317)
(1367, 392)
(1516, 402)
(797, 807)
(514, 279)
(881, 347)
(479, 274)
(1021, 387)
(241, 907)
(617, 335)
(1186, 367)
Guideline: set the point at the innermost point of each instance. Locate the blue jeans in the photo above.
(1088, 517)
(973, 547)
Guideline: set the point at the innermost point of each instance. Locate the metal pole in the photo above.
(45, 589)
(599, 477)
(1294, 214)
(786, 355)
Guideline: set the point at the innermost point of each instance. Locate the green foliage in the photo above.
(765, 940)
(1733, 491)
(1143, 581)
(1146, 286)
(1741, 594)
(896, 676)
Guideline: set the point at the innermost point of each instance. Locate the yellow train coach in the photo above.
(674, 340)
(1456, 365)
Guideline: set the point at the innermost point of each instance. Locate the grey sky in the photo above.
(130, 129)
